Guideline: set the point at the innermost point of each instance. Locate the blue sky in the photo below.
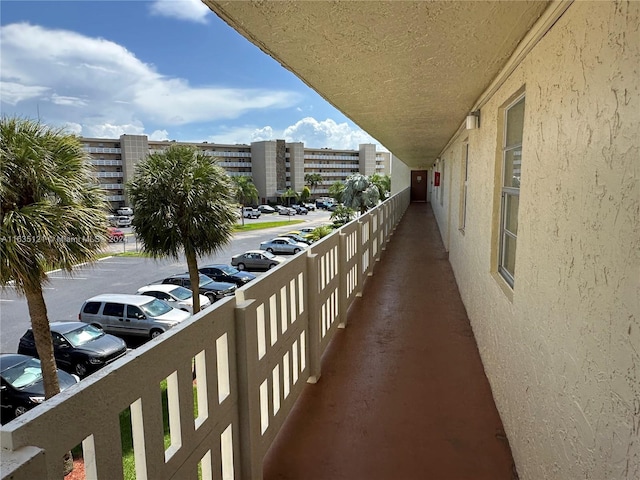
(169, 69)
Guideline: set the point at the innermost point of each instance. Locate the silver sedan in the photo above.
(283, 245)
(256, 260)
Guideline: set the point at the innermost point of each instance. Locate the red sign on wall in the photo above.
(436, 179)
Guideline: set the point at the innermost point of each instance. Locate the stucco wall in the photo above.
(400, 175)
(562, 352)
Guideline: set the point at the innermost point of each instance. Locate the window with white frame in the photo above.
(465, 180)
(511, 171)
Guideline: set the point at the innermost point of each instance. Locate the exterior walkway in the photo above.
(403, 394)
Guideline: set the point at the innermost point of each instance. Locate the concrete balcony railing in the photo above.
(253, 354)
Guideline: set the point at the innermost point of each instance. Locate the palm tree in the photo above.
(382, 183)
(335, 191)
(305, 194)
(245, 192)
(313, 180)
(52, 216)
(183, 203)
(288, 195)
(359, 193)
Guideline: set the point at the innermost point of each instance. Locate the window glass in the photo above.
(156, 308)
(83, 335)
(57, 339)
(509, 255)
(92, 308)
(511, 213)
(512, 161)
(181, 293)
(511, 170)
(515, 124)
(135, 312)
(113, 309)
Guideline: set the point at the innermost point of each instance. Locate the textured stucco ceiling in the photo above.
(406, 72)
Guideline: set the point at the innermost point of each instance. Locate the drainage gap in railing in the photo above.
(82, 460)
(132, 441)
(171, 415)
(205, 470)
(224, 375)
(200, 400)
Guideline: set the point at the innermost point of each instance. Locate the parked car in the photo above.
(174, 295)
(212, 290)
(114, 235)
(122, 314)
(119, 220)
(125, 211)
(282, 210)
(266, 209)
(227, 273)
(309, 206)
(21, 384)
(282, 245)
(77, 347)
(298, 237)
(300, 210)
(324, 204)
(250, 212)
(256, 260)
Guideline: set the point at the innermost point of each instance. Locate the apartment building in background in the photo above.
(273, 165)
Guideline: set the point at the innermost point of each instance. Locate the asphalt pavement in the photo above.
(65, 292)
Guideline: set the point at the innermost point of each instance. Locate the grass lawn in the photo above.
(261, 225)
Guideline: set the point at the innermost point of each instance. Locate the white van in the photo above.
(119, 220)
(125, 211)
(121, 314)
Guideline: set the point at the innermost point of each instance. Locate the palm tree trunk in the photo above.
(42, 336)
(194, 277)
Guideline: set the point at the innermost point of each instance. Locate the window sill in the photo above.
(504, 286)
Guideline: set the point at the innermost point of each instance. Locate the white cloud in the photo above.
(108, 130)
(189, 10)
(326, 133)
(313, 133)
(159, 135)
(14, 93)
(102, 86)
(70, 101)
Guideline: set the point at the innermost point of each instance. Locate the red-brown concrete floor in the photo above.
(403, 394)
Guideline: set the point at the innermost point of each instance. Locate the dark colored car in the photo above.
(227, 273)
(78, 347)
(21, 385)
(212, 290)
(300, 210)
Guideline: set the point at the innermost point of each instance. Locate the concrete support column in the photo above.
(248, 392)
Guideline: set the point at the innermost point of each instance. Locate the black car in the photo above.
(21, 385)
(78, 347)
(300, 210)
(227, 273)
(212, 290)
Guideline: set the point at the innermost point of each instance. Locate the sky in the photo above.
(168, 69)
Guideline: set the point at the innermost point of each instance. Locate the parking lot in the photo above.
(64, 293)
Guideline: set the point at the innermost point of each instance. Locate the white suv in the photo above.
(250, 212)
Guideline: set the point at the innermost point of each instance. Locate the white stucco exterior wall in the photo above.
(562, 350)
(400, 175)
